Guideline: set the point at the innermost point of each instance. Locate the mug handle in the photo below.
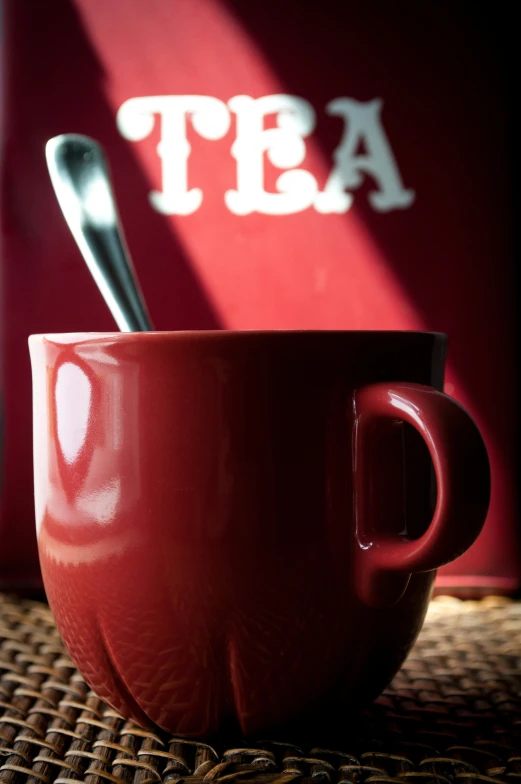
(384, 563)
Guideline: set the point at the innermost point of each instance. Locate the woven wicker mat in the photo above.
(453, 713)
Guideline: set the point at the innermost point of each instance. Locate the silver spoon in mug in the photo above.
(81, 181)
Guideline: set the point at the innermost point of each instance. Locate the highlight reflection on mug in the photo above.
(72, 396)
(91, 472)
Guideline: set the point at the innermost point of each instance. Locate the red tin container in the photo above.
(296, 165)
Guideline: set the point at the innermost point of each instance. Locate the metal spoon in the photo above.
(82, 184)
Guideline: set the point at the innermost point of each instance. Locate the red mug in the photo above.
(245, 525)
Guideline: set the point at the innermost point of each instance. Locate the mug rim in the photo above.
(64, 338)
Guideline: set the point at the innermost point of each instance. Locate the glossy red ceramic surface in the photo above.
(228, 522)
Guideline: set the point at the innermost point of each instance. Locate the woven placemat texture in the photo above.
(453, 714)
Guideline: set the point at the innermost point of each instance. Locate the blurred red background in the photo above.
(422, 236)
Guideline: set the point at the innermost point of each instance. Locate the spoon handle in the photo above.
(82, 183)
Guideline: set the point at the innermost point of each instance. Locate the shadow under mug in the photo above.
(245, 525)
